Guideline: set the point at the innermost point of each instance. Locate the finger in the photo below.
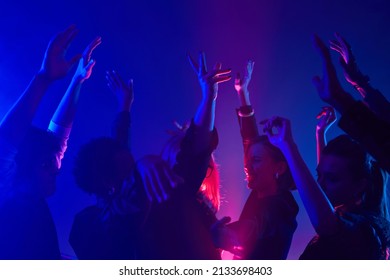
(342, 41)
(119, 79)
(173, 179)
(249, 68)
(219, 80)
(263, 122)
(111, 79)
(335, 46)
(69, 37)
(225, 220)
(90, 48)
(193, 64)
(237, 80)
(217, 66)
(74, 60)
(320, 46)
(159, 185)
(130, 85)
(202, 63)
(218, 72)
(147, 188)
(90, 65)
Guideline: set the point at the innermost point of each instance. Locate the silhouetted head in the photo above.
(38, 162)
(210, 185)
(349, 176)
(101, 166)
(266, 169)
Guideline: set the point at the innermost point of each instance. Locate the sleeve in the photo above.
(193, 159)
(121, 128)
(248, 127)
(370, 131)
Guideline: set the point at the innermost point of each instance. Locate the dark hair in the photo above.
(95, 165)
(285, 181)
(34, 148)
(362, 166)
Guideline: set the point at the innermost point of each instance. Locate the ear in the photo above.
(281, 167)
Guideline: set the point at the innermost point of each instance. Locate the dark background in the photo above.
(148, 41)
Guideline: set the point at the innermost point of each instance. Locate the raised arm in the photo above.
(357, 119)
(66, 110)
(62, 120)
(326, 118)
(245, 113)
(208, 80)
(373, 98)
(125, 96)
(16, 122)
(317, 205)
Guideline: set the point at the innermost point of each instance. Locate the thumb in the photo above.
(74, 59)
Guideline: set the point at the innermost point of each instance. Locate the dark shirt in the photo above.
(358, 239)
(27, 229)
(266, 226)
(180, 227)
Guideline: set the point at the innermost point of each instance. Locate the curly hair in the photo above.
(95, 165)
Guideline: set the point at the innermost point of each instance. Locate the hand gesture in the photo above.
(241, 85)
(157, 177)
(84, 69)
(55, 65)
(329, 88)
(348, 62)
(209, 80)
(225, 237)
(326, 118)
(123, 91)
(278, 131)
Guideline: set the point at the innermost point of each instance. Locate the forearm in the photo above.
(317, 205)
(66, 110)
(205, 114)
(320, 142)
(16, 122)
(243, 96)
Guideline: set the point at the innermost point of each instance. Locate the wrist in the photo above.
(43, 77)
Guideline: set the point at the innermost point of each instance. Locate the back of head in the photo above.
(211, 183)
(94, 167)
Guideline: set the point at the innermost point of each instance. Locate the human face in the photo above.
(337, 180)
(261, 169)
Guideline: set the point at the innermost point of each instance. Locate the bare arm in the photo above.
(54, 66)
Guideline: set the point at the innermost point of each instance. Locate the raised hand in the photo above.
(84, 69)
(122, 90)
(326, 118)
(278, 131)
(55, 65)
(209, 80)
(347, 60)
(241, 85)
(329, 88)
(157, 177)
